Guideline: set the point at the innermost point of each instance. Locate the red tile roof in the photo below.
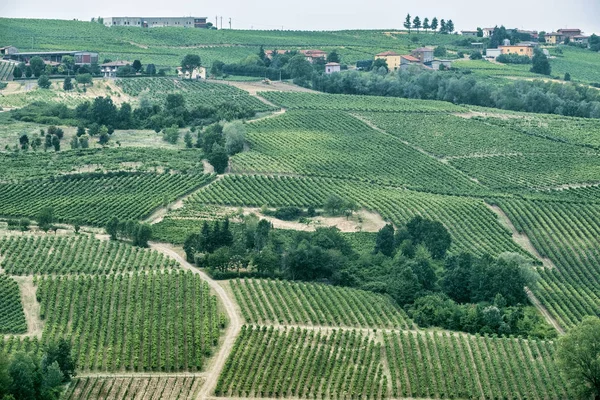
(387, 53)
(410, 58)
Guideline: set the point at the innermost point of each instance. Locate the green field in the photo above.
(12, 319)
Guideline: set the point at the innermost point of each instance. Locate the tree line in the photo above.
(445, 27)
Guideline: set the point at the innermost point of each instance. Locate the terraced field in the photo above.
(173, 388)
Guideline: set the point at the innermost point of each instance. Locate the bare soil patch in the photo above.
(258, 86)
(31, 307)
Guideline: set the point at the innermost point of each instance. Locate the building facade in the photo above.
(332, 67)
(569, 32)
(391, 58)
(469, 33)
(553, 38)
(81, 57)
(109, 70)
(522, 50)
(157, 22)
(424, 54)
(492, 53)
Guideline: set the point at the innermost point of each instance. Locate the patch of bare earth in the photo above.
(258, 86)
(31, 307)
(473, 114)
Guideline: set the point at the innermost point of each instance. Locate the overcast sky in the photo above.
(545, 15)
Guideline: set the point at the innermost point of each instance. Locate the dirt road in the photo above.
(232, 330)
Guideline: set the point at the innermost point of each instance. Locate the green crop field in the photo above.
(12, 318)
(287, 303)
(75, 255)
(95, 199)
(165, 321)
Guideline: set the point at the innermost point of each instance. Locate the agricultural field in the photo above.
(93, 199)
(75, 254)
(473, 227)
(344, 102)
(445, 365)
(12, 318)
(196, 93)
(287, 144)
(285, 303)
(303, 363)
(567, 233)
(581, 64)
(159, 321)
(168, 388)
(27, 165)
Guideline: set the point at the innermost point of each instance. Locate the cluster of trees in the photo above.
(513, 59)
(38, 68)
(445, 27)
(51, 139)
(418, 231)
(462, 87)
(219, 142)
(24, 376)
(540, 62)
(139, 234)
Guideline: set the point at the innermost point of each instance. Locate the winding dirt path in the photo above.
(232, 330)
(534, 300)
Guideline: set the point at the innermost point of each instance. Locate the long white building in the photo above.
(157, 22)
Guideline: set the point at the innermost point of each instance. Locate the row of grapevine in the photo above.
(473, 226)
(449, 365)
(314, 101)
(165, 321)
(568, 234)
(27, 344)
(94, 199)
(12, 318)
(195, 92)
(73, 254)
(303, 363)
(337, 145)
(282, 302)
(6, 70)
(157, 387)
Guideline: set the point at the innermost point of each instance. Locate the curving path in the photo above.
(231, 332)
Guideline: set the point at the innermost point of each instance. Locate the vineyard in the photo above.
(285, 303)
(6, 69)
(474, 228)
(173, 388)
(12, 318)
(342, 102)
(448, 366)
(196, 93)
(338, 145)
(567, 233)
(95, 198)
(27, 165)
(303, 363)
(78, 254)
(451, 136)
(160, 321)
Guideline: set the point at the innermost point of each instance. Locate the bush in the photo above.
(513, 59)
(476, 55)
(287, 213)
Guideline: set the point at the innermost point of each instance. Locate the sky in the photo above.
(548, 15)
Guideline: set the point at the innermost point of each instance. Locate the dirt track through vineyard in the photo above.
(231, 332)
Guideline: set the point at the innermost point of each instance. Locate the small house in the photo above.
(8, 50)
(492, 53)
(312, 55)
(488, 32)
(109, 70)
(581, 39)
(332, 67)
(441, 64)
(553, 38)
(197, 73)
(570, 33)
(520, 49)
(469, 33)
(406, 61)
(391, 58)
(424, 54)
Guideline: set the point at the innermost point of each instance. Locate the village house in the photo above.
(269, 53)
(492, 53)
(7, 51)
(197, 73)
(109, 70)
(488, 32)
(469, 33)
(520, 49)
(332, 67)
(391, 58)
(553, 38)
(570, 33)
(424, 54)
(581, 39)
(312, 55)
(406, 61)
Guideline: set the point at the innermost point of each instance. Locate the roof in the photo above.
(387, 53)
(581, 37)
(518, 45)
(313, 52)
(47, 53)
(410, 58)
(115, 64)
(468, 31)
(553, 34)
(332, 64)
(569, 30)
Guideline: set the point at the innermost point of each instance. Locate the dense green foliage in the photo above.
(12, 318)
(75, 255)
(95, 198)
(137, 322)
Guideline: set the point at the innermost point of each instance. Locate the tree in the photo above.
(384, 242)
(52, 380)
(45, 218)
(426, 25)
(187, 138)
(84, 141)
(540, 62)
(84, 79)
(443, 27)
(476, 55)
(37, 66)
(542, 37)
(379, 63)
(69, 62)
(434, 24)
(142, 235)
(299, 69)
(417, 23)
(67, 84)
(17, 72)
(23, 371)
(137, 65)
(171, 135)
(333, 57)
(190, 62)
(449, 26)
(235, 137)
(567, 76)
(44, 82)
(112, 228)
(334, 205)
(479, 32)
(5, 378)
(218, 158)
(56, 142)
(439, 51)
(217, 68)
(261, 54)
(407, 23)
(579, 358)
(24, 141)
(150, 69)
(28, 71)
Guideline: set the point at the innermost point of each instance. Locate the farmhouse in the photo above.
(332, 67)
(157, 22)
(312, 55)
(197, 73)
(109, 70)
(406, 61)
(520, 49)
(488, 32)
(554, 38)
(582, 39)
(8, 50)
(81, 57)
(570, 32)
(391, 58)
(469, 33)
(424, 54)
(492, 53)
